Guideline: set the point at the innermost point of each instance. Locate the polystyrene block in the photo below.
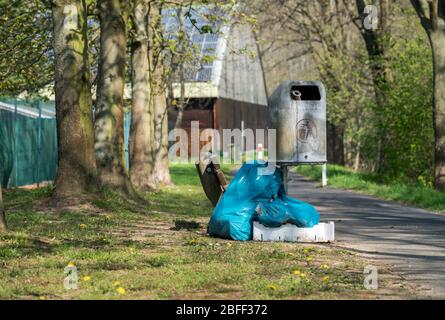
(322, 232)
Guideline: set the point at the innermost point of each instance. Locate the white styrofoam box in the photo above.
(322, 232)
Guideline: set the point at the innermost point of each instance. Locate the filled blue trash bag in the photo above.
(287, 210)
(254, 196)
(234, 214)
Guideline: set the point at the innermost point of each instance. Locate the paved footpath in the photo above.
(410, 239)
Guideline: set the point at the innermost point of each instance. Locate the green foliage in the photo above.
(26, 59)
(404, 123)
(409, 143)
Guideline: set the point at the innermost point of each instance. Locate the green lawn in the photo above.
(128, 251)
(417, 195)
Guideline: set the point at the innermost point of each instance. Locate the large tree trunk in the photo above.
(432, 18)
(141, 148)
(179, 66)
(3, 227)
(109, 111)
(161, 171)
(182, 103)
(438, 45)
(77, 168)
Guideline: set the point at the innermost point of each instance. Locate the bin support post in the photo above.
(324, 177)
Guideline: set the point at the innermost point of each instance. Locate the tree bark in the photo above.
(179, 66)
(77, 168)
(182, 103)
(339, 150)
(109, 111)
(377, 44)
(335, 141)
(432, 18)
(161, 170)
(438, 46)
(141, 145)
(3, 226)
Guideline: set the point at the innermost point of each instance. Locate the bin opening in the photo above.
(306, 93)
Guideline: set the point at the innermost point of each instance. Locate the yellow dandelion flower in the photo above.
(82, 226)
(297, 272)
(120, 290)
(303, 275)
(86, 278)
(325, 266)
(42, 298)
(326, 279)
(272, 287)
(70, 264)
(305, 251)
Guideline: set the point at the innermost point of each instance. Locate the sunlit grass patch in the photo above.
(160, 251)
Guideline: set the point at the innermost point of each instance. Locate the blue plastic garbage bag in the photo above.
(253, 195)
(234, 214)
(287, 210)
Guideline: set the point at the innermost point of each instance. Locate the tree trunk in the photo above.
(161, 170)
(437, 39)
(109, 111)
(357, 157)
(377, 44)
(339, 151)
(3, 227)
(181, 70)
(182, 103)
(77, 168)
(141, 148)
(335, 152)
(431, 14)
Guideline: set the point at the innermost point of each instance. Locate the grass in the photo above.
(163, 252)
(417, 195)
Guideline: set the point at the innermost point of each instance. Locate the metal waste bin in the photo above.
(297, 111)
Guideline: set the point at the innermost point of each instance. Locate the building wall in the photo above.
(205, 117)
(229, 114)
(241, 75)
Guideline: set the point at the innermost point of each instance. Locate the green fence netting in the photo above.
(28, 142)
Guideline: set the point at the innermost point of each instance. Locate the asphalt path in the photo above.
(411, 240)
